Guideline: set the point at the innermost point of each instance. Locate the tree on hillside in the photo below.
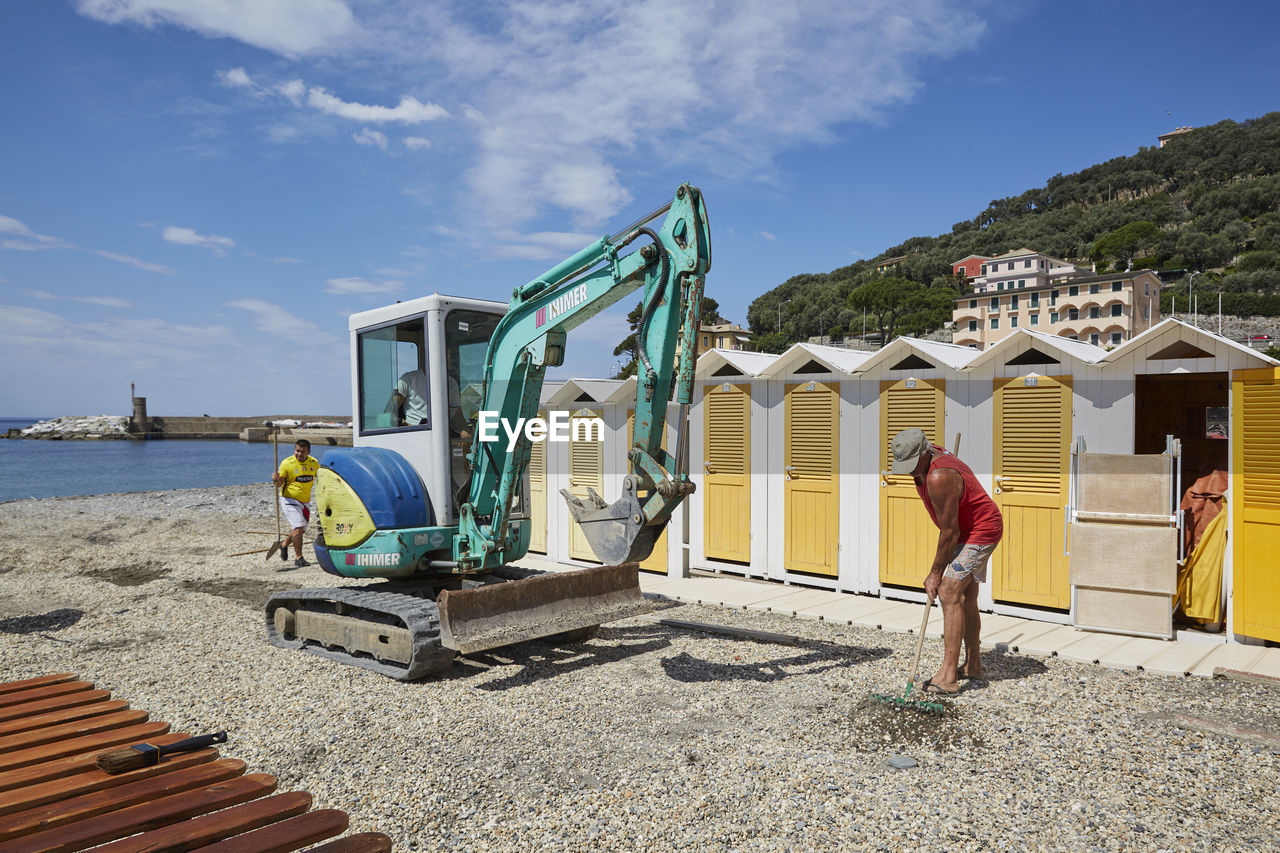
(1127, 242)
(629, 347)
(886, 300)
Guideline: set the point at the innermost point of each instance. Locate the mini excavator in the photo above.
(439, 511)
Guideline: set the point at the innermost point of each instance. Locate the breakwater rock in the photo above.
(85, 427)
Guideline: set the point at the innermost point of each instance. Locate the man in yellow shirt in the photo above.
(296, 476)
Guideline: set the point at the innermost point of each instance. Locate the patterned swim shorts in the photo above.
(970, 561)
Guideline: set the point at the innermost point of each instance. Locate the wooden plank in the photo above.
(35, 693)
(38, 681)
(85, 806)
(365, 842)
(73, 729)
(44, 706)
(731, 631)
(288, 835)
(210, 828)
(84, 749)
(145, 817)
(93, 779)
(60, 716)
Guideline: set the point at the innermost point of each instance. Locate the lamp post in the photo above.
(780, 304)
(1190, 279)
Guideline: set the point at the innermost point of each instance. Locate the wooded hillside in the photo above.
(1209, 200)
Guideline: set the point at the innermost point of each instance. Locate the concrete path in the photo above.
(1187, 656)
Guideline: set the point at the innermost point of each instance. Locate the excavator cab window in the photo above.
(395, 385)
(466, 343)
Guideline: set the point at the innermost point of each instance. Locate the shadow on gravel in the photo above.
(819, 657)
(1000, 665)
(54, 620)
(548, 658)
(133, 574)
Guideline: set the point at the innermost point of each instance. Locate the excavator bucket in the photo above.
(499, 614)
(614, 530)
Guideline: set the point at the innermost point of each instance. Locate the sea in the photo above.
(53, 469)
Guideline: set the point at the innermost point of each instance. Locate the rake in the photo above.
(905, 702)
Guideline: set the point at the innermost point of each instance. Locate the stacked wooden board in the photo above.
(53, 797)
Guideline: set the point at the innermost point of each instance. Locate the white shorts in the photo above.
(296, 512)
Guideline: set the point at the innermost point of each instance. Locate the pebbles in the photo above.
(647, 737)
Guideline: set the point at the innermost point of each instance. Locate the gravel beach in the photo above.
(644, 738)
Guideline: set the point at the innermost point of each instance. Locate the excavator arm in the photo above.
(670, 265)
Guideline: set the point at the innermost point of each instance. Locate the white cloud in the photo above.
(281, 323)
(105, 301)
(356, 285)
(408, 111)
(188, 237)
(293, 90)
(284, 260)
(368, 136)
(767, 236)
(23, 239)
(560, 123)
(133, 262)
(237, 78)
(49, 335)
(542, 245)
(416, 143)
(287, 27)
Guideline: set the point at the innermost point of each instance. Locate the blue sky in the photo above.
(195, 194)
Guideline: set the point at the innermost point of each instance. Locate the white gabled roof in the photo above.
(750, 363)
(953, 356)
(1187, 330)
(1081, 350)
(838, 359)
(598, 390)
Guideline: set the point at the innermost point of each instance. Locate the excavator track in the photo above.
(406, 631)
(391, 629)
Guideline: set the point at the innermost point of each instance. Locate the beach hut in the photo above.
(1176, 379)
(815, 415)
(576, 465)
(1018, 406)
(906, 383)
(728, 453)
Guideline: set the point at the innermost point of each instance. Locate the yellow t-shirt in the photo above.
(299, 476)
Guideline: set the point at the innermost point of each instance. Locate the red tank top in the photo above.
(979, 517)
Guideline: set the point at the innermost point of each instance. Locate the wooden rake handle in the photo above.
(924, 624)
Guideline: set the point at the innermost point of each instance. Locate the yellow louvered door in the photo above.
(812, 478)
(726, 502)
(1255, 501)
(1032, 426)
(657, 559)
(908, 538)
(586, 470)
(538, 495)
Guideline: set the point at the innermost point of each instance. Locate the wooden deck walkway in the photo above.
(54, 798)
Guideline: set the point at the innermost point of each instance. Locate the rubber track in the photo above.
(387, 604)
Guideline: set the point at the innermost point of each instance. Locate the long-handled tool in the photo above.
(275, 493)
(905, 701)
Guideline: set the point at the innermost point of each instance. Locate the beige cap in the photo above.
(907, 447)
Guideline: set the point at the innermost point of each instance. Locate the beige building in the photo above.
(728, 336)
(1104, 310)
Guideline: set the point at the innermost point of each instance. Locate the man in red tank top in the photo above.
(969, 528)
